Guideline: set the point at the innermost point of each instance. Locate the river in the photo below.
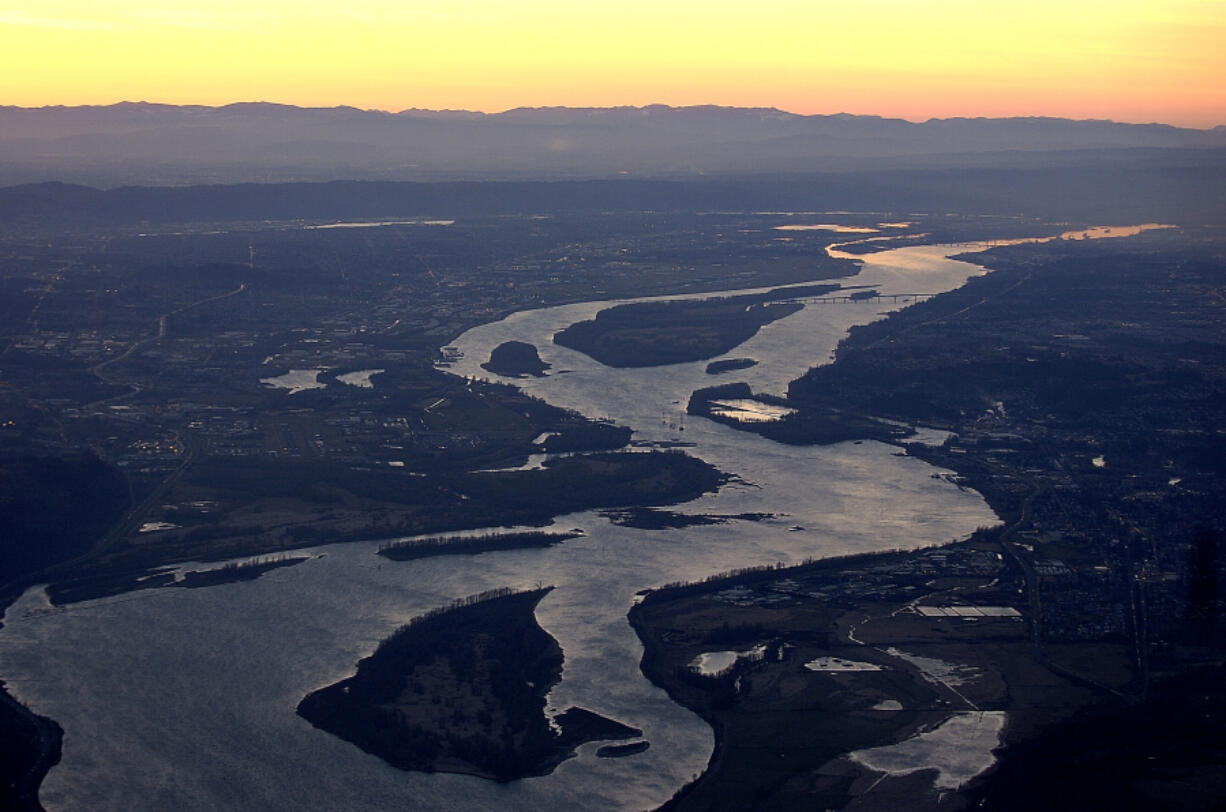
(185, 698)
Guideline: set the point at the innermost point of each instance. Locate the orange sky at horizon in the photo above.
(1124, 60)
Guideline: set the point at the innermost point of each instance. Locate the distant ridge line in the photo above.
(168, 145)
(653, 108)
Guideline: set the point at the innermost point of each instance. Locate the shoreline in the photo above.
(1073, 643)
(717, 709)
(941, 547)
(20, 791)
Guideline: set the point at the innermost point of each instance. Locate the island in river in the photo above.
(656, 519)
(413, 549)
(729, 365)
(836, 426)
(462, 690)
(649, 334)
(516, 359)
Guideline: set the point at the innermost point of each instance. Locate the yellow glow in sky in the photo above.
(1125, 60)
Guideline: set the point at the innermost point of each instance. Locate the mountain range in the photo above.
(159, 144)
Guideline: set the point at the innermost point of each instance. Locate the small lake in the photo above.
(959, 749)
(296, 380)
(714, 663)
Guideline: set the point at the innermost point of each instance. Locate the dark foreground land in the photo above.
(1078, 734)
(781, 728)
(462, 690)
(1082, 384)
(274, 507)
(103, 582)
(138, 427)
(1164, 753)
(137, 430)
(29, 748)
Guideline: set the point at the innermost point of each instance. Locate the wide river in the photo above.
(185, 698)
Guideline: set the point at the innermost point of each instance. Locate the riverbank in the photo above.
(600, 572)
(859, 655)
(30, 745)
(1086, 438)
(276, 507)
(102, 583)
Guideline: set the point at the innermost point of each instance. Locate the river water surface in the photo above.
(185, 699)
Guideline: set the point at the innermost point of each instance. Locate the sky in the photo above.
(1118, 59)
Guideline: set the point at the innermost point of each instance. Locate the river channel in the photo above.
(186, 698)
